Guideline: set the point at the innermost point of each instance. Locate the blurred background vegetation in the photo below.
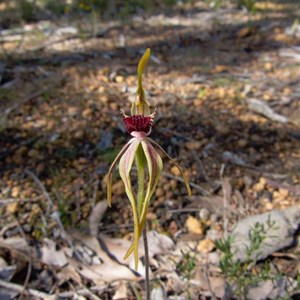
(14, 12)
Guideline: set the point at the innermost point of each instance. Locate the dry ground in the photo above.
(61, 93)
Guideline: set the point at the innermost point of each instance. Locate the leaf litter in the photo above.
(226, 93)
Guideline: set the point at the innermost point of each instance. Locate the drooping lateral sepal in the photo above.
(186, 181)
(155, 166)
(125, 167)
(109, 174)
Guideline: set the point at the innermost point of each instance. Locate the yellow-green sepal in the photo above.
(155, 166)
(125, 166)
(140, 106)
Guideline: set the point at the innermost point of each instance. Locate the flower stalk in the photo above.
(140, 150)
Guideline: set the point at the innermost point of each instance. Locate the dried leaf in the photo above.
(52, 256)
(96, 216)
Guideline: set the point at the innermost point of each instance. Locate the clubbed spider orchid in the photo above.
(140, 149)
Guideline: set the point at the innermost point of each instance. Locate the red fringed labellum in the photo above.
(138, 123)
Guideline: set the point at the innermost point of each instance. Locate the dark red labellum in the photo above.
(138, 123)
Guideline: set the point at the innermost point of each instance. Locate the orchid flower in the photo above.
(142, 150)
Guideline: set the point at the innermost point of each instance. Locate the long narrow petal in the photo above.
(155, 166)
(125, 166)
(178, 167)
(109, 174)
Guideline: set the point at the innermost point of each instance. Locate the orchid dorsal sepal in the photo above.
(140, 106)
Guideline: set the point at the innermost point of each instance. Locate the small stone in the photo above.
(268, 66)
(262, 180)
(214, 234)
(198, 102)
(261, 185)
(119, 79)
(113, 106)
(284, 193)
(244, 32)
(175, 171)
(12, 207)
(242, 143)
(213, 218)
(40, 168)
(255, 138)
(159, 192)
(214, 258)
(82, 160)
(193, 145)
(220, 69)
(194, 226)
(15, 191)
(35, 210)
(72, 111)
(33, 153)
(269, 206)
(78, 134)
(204, 214)
(173, 228)
(258, 187)
(151, 216)
(222, 129)
(87, 113)
(206, 246)
(104, 99)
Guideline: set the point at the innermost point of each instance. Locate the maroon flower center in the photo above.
(138, 123)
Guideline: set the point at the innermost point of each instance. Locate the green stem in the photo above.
(147, 264)
(141, 165)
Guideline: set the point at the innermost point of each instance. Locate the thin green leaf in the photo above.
(109, 174)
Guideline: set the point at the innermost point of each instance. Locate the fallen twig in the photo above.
(26, 281)
(265, 110)
(226, 195)
(4, 202)
(25, 100)
(31, 292)
(42, 187)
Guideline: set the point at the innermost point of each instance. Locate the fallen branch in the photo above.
(25, 100)
(262, 108)
(30, 292)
